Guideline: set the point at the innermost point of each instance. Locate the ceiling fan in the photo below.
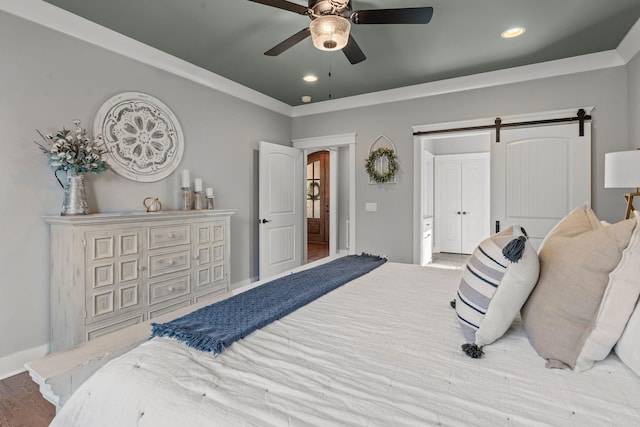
(331, 21)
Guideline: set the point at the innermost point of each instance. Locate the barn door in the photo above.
(539, 174)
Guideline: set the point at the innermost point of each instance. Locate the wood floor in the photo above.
(316, 251)
(22, 405)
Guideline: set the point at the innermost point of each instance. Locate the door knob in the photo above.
(263, 221)
(464, 213)
(458, 212)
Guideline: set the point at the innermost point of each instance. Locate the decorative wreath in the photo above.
(392, 165)
(314, 191)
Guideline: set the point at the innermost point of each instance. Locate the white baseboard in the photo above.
(245, 282)
(14, 363)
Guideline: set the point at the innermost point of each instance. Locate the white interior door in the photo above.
(448, 205)
(475, 219)
(539, 175)
(462, 202)
(281, 209)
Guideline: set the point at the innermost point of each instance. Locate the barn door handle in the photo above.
(263, 221)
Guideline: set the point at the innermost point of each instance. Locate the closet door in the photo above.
(449, 205)
(475, 225)
(462, 202)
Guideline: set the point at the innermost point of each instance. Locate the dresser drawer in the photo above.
(164, 237)
(169, 289)
(216, 292)
(169, 262)
(164, 309)
(106, 328)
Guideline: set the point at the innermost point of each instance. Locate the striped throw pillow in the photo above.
(495, 284)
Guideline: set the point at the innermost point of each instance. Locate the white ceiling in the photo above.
(228, 37)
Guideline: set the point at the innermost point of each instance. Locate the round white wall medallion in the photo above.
(143, 137)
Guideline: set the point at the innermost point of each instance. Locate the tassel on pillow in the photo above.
(515, 249)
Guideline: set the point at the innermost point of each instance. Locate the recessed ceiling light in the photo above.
(513, 32)
(306, 99)
(310, 78)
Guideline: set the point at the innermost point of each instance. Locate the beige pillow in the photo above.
(563, 309)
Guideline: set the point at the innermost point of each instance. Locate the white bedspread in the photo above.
(383, 350)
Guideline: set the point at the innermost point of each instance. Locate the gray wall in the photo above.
(48, 79)
(389, 230)
(633, 70)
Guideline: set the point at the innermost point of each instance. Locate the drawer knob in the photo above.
(172, 262)
(171, 289)
(172, 235)
(142, 268)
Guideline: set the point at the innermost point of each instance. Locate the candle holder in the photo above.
(186, 198)
(209, 202)
(198, 200)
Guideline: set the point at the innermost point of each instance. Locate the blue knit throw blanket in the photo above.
(215, 327)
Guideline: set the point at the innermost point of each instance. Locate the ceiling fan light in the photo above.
(330, 32)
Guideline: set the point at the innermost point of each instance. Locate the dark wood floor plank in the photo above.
(22, 405)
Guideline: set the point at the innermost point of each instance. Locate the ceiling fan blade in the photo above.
(284, 5)
(290, 42)
(410, 15)
(353, 52)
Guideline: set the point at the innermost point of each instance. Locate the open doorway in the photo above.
(318, 205)
(342, 184)
(282, 204)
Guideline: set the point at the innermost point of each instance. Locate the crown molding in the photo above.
(630, 44)
(58, 19)
(576, 64)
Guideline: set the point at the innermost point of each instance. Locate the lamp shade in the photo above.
(330, 32)
(622, 169)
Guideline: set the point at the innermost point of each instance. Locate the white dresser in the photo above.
(110, 271)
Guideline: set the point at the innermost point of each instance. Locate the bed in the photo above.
(382, 350)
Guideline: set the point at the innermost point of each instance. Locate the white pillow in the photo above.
(493, 289)
(617, 304)
(627, 274)
(627, 348)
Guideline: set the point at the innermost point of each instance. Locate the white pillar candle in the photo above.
(198, 184)
(209, 192)
(185, 179)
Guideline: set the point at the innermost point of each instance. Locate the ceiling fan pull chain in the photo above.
(330, 83)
